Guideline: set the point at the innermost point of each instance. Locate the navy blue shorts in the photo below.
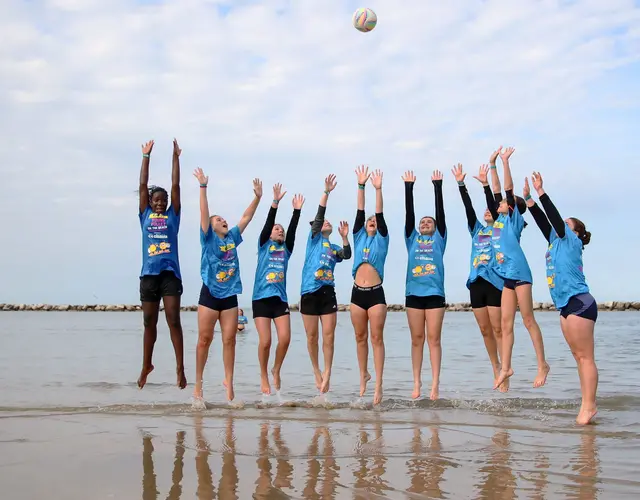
(583, 305)
(513, 284)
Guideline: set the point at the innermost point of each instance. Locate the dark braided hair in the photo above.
(157, 189)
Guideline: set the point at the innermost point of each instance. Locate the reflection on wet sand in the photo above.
(498, 478)
(149, 484)
(368, 477)
(427, 467)
(585, 467)
(326, 470)
(267, 486)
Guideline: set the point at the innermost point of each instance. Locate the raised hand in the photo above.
(330, 183)
(278, 194)
(202, 179)
(506, 154)
(363, 174)
(343, 229)
(494, 156)
(436, 176)
(257, 188)
(376, 179)
(482, 175)
(536, 178)
(458, 173)
(146, 148)
(297, 202)
(409, 176)
(526, 190)
(176, 148)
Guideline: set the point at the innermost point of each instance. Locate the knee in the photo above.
(485, 330)
(361, 337)
(417, 340)
(205, 340)
(149, 319)
(506, 327)
(173, 321)
(433, 341)
(497, 331)
(312, 338)
(376, 339)
(230, 340)
(284, 341)
(328, 336)
(529, 321)
(264, 344)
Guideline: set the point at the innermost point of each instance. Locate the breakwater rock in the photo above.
(456, 307)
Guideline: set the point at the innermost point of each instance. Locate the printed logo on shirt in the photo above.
(276, 252)
(160, 249)
(500, 257)
(425, 270)
(482, 259)
(157, 222)
(551, 280)
(324, 275)
(273, 277)
(425, 244)
(228, 250)
(224, 276)
(365, 254)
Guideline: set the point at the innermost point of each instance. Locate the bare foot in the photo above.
(318, 375)
(265, 387)
(541, 377)
(504, 375)
(182, 379)
(363, 383)
(229, 388)
(377, 395)
(326, 378)
(417, 389)
(197, 391)
(504, 386)
(586, 416)
(146, 370)
(276, 378)
(435, 393)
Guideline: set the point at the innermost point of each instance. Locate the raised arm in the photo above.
(144, 176)
(489, 196)
(508, 180)
(205, 223)
(464, 194)
(175, 178)
(410, 216)
(329, 185)
(536, 211)
(265, 234)
(376, 182)
(345, 252)
(251, 209)
(495, 179)
(290, 240)
(363, 176)
(552, 212)
(441, 225)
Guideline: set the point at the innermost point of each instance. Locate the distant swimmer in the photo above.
(220, 270)
(269, 300)
(368, 303)
(569, 290)
(242, 320)
(160, 276)
(317, 294)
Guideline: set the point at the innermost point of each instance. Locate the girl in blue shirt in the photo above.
(220, 270)
(160, 276)
(270, 302)
(368, 304)
(425, 303)
(513, 268)
(318, 295)
(569, 290)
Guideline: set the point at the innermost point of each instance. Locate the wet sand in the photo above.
(308, 454)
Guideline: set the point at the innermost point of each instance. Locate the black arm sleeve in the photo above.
(344, 253)
(268, 226)
(541, 220)
(410, 215)
(554, 216)
(382, 225)
(491, 201)
(316, 226)
(359, 223)
(441, 224)
(468, 207)
(511, 200)
(290, 239)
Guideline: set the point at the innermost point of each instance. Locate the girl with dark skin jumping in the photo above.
(160, 276)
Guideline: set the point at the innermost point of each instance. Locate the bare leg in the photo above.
(360, 321)
(150, 311)
(508, 306)
(311, 327)
(578, 332)
(495, 316)
(229, 327)
(417, 324)
(172, 313)
(263, 325)
(377, 318)
(328, 334)
(484, 323)
(434, 338)
(525, 301)
(283, 330)
(207, 319)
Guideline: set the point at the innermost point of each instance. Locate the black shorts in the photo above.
(513, 284)
(483, 294)
(155, 286)
(427, 302)
(209, 301)
(269, 307)
(322, 301)
(367, 297)
(583, 305)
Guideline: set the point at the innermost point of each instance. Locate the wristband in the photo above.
(145, 155)
(360, 186)
(492, 166)
(203, 185)
(276, 201)
(460, 183)
(527, 198)
(326, 192)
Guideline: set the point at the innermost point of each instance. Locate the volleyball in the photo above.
(364, 19)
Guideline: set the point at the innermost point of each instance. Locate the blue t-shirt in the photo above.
(511, 263)
(565, 276)
(242, 320)
(371, 250)
(159, 242)
(319, 263)
(271, 271)
(483, 262)
(219, 265)
(425, 266)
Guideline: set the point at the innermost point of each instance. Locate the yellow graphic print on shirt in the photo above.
(424, 270)
(224, 276)
(158, 249)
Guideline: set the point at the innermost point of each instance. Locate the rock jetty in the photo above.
(457, 307)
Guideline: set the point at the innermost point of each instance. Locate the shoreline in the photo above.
(454, 307)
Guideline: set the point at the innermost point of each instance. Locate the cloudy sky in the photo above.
(289, 91)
